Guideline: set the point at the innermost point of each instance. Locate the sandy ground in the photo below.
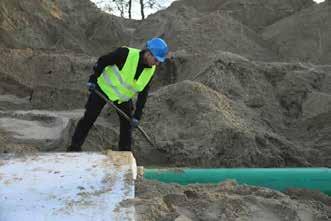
(227, 201)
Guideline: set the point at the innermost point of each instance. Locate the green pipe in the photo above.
(274, 178)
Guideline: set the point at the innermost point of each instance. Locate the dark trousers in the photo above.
(93, 108)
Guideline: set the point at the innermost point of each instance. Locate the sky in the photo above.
(136, 7)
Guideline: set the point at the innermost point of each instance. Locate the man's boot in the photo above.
(124, 148)
(72, 148)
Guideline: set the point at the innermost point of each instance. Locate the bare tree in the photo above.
(121, 6)
(124, 7)
(142, 6)
(153, 4)
(129, 8)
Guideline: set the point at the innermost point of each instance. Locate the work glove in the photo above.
(91, 86)
(134, 122)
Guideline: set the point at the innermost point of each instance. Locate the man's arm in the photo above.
(141, 100)
(116, 57)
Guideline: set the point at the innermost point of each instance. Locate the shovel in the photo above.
(126, 117)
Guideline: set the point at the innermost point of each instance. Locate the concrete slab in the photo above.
(67, 186)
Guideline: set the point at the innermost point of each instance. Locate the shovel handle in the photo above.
(125, 116)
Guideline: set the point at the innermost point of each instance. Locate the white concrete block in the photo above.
(67, 186)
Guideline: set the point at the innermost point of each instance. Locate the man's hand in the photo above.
(134, 122)
(91, 86)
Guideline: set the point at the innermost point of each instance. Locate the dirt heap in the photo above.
(77, 25)
(227, 201)
(304, 36)
(47, 79)
(192, 32)
(256, 14)
(235, 112)
(238, 112)
(263, 30)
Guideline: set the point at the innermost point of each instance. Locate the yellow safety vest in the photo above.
(120, 85)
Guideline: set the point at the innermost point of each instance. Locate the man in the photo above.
(120, 75)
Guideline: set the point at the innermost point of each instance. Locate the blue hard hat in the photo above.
(158, 47)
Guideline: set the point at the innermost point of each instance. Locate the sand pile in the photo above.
(304, 36)
(78, 26)
(227, 201)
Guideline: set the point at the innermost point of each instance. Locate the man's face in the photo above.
(150, 60)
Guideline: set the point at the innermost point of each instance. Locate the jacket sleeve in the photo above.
(117, 57)
(141, 100)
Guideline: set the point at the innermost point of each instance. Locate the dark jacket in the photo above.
(118, 58)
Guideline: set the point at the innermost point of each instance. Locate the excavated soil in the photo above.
(227, 201)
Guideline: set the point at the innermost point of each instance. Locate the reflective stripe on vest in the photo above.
(121, 85)
(124, 84)
(110, 84)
